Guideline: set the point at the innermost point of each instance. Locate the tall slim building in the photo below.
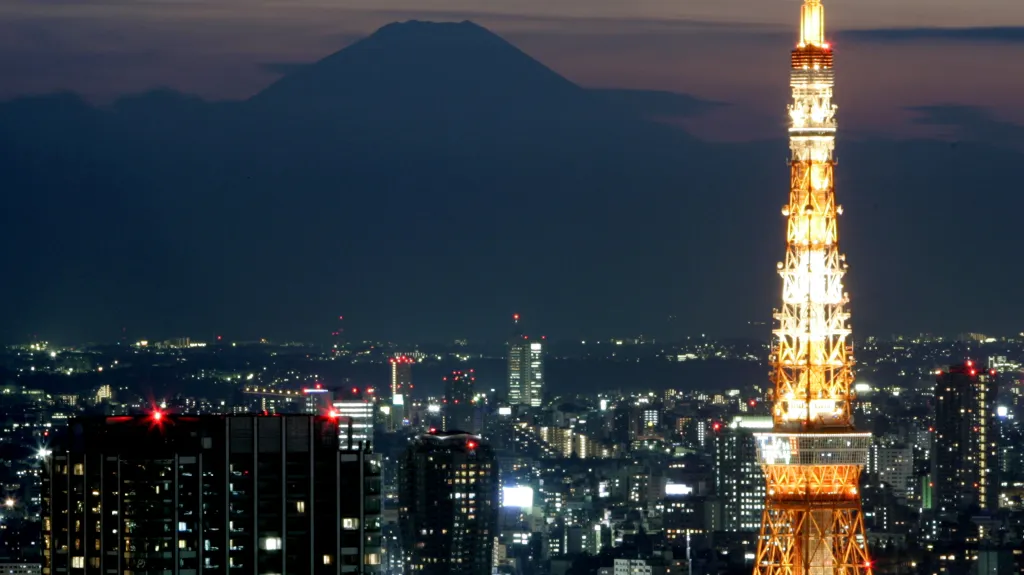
(965, 454)
(401, 375)
(212, 494)
(459, 410)
(739, 481)
(525, 368)
(812, 522)
(401, 389)
(448, 498)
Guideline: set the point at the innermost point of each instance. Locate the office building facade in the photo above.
(161, 493)
(354, 409)
(449, 498)
(965, 466)
(739, 479)
(525, 372)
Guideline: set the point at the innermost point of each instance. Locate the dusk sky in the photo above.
(942, 51)
(274, 213)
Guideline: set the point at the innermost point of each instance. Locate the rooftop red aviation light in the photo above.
(471, 444)
(157, 415)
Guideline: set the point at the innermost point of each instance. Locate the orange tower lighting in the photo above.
(812, 460)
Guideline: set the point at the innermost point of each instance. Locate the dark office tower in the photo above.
(459, 409)
(965, 466)
(209, 495)
(525, 369)
(401, 389)
(739, 480)
(448, 499)
(401, 375)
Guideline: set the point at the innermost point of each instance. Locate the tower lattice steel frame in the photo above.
(812, 460)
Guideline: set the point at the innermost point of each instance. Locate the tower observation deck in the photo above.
(812, 460)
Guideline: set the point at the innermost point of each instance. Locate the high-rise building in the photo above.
(459, 409)
(739, 481)
(893, 465)
(525, 368)
(317, 400)
(813, 522)
(401, 389)
(526, 372)
(965, 466)
(162, 493)
(401, 375)
(353, 408)
(448, 498)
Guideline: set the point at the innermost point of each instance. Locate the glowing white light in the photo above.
(433, 408)
(504, 411)
(517, 496)
(1002, 411)
(677, 489)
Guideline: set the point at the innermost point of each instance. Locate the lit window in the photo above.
(78, 562)
(300, 506)
(80, 470)
(327, 559)
(350, 523)
(271, 543)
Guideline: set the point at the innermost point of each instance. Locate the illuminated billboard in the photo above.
(504, 411)
(677, 489)
(517, 496)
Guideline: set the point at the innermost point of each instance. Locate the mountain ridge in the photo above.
(437, 210)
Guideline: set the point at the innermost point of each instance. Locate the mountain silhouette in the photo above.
(432, 178)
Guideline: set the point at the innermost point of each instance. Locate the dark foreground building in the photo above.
(965, 454)
(448, 497)
(211, 494)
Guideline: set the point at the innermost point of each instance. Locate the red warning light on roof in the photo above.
(433, 430)
(515, 317)
(969, 363)
(157, 415)
(716, 426)
(332, 414)
(471, 444)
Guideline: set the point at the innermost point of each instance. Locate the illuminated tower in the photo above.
(525, 369)
(812, 522)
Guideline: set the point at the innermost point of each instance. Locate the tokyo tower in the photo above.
(812, 460)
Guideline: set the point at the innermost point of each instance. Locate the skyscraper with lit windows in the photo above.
(965, 453)
(162, 493)
(448, 498)
(525, 369)
(401, 389)
(739, 480)
(353, 408)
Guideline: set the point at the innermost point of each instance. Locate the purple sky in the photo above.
(728, 50)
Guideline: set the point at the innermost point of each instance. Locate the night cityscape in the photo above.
(352, 324)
